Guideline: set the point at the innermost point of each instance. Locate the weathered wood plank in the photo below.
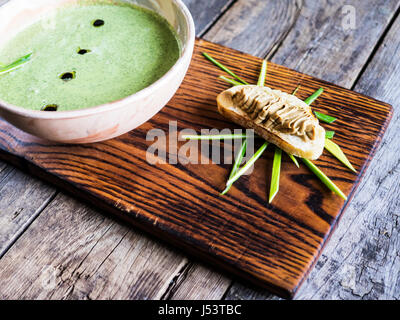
(205, 13)
(73, 252)
(21, 200)
(362, 258)
(320, 45)
(255, 27)
(199, 282)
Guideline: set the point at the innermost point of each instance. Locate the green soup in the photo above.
(87, 55)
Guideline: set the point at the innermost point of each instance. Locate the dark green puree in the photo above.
(87, 55)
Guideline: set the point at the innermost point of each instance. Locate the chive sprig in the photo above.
(214, 136)
(338, 153)
(263, 74)
(329, 134)
(324, 178)
(276, 172)
(294, 159)
(248, 164)
(221, 66)
(16, 64)
(236, 165)
(314, 96)
(324, 117)
(231, 81)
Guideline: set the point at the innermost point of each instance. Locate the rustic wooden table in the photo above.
(55, 247)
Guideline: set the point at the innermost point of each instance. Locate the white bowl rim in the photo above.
(110, 106)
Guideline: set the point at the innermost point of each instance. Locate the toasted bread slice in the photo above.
(278, 117)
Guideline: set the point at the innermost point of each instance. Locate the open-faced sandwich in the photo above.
(278, 117)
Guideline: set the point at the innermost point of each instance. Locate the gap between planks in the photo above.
(377, 46)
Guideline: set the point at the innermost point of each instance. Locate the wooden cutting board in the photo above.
(273, 245)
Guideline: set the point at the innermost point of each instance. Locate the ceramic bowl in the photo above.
(109, 120)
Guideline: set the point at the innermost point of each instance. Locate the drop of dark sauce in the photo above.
(67, 76)
(98, 23)
(50, 107)
(83, 51)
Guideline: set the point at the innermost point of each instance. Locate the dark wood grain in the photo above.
(272, 245)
